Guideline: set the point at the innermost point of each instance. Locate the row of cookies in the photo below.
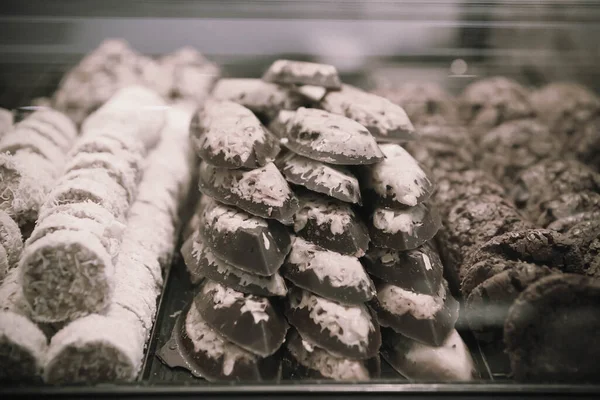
(33, 155)
(108, 346)
(182, 75)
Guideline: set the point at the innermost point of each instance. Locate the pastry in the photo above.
(428, 319)
(285, 72)
(249, 321)
(331, 224)
(333, 180)
(397, 181)
(344, 331)
(386, 121)
(331, 275)
(249, 243)
(229, 135)
(263, 192)
(10, 240)
(330, 138)
(550, 331)
(404, 229)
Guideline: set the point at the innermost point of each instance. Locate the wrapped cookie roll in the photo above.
(23, 343)
(32, 155)
(109, 347)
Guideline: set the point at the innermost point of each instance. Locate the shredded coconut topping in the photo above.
(399, 301)
(399, 176)
(350, 325)
(341, 270)
(225, 218)
(323, 211)
(394, 221)
(226, 297)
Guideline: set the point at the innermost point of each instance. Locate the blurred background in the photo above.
(370, 41)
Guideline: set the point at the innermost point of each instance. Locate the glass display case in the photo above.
(294, 198)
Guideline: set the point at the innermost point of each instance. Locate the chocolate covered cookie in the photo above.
(514, 146)
(333, 180)
(450, 362)
(343, 331)
(329, 274)
(331, 224)
(419, 270)
(331, 138)
(310, 361)
(249, 321)
(386, 121)
(249, 243)
(490, 102)
(397, 181)
(425, 318)
(229, 135)
(263, 192)
(285, 72)
(202, 263)
(404, 229)
(551, 330)
(263, 98)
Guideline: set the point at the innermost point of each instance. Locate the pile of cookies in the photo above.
(290, 217)
(520, 212)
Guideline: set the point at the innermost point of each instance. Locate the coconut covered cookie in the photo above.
(303, 73)
(11, 241)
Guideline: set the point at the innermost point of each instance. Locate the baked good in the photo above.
(514, 146)
(285, 72)
(263, 192)
(228, 135)
(566, 108)
(450, 362)
(249, 321)
(537, 246)
(566, 205)
(397, 181)
(278, 125)
(214, 358)
(333, 180)
(331, 275)
(331, 224)
(547, 180)
(419, 270)
(310, 361)
(463, 185)
(425, 103)
(263, 98)
(550, 331)
(426, 318)
(344, 331)
(587, 236)
(492, 101)
(562, 225)
(201, 263)
(404, 229)
(10, 240)
(386, 121)
(330, 138)
(475, 220)
(6, 120)
(585, 146)
(249, 243)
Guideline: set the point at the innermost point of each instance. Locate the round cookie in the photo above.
(490, 102)
(425, 103)
(474, 221)
(471, 183)
(565, 108)
(566, 205)
(587, 235)
(585, 146)
(514, 146)
(562, 225)
(536, 246)
(549, 179)
(10, 239)
(551, 330)
(443, 148)
(4, 266)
